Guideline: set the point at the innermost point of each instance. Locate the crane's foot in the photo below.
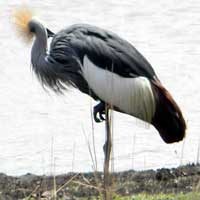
(98, 112)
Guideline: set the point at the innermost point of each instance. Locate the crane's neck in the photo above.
(45, 68)
(39, 49)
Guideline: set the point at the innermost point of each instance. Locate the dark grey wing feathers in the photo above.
(107, 50)
(68, 70)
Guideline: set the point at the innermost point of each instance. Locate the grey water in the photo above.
(43, 133)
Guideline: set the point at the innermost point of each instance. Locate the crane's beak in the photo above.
(50, 33)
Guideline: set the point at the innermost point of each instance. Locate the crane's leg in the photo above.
(99, 111)
(107, 153)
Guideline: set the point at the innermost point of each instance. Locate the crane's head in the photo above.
(25, 23)
(21, 18)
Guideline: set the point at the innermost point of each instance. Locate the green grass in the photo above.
(172, 196)
(179, 196)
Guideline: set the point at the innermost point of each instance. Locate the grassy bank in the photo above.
(182, 183)
(161, 196)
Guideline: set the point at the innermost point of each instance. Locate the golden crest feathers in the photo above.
(20, 18)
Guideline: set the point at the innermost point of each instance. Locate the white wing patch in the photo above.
(133, 96)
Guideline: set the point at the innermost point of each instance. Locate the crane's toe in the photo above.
(98, 112)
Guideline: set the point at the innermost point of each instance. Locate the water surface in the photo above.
(43, 133)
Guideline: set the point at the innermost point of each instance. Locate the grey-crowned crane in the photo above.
(106, 67)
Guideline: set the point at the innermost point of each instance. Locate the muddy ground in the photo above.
(73, 186)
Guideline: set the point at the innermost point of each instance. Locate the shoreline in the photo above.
(166, 180)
